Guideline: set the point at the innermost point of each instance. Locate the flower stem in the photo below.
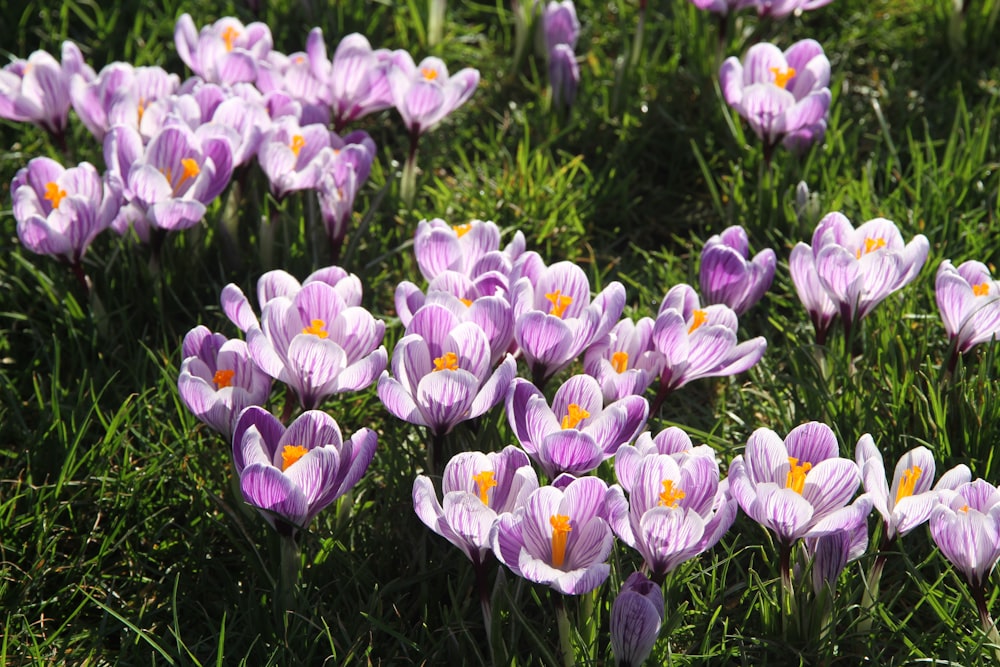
(286, 594)
(485, 604)
(870, 596)
(562, 620)
(408, 187)
(787, 592)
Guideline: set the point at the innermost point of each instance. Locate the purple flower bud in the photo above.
(728, 277)
(636, 617)
(560, 25)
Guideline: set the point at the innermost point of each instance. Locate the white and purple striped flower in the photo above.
(969, 300)
(424, 94)
(728, 275)
(965, 525)
(636, 617)
(356, 81)
(624, 362)
(226, 51)
(37, 90)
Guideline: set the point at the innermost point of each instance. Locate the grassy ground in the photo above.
(121, 540)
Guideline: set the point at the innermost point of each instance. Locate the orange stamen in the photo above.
(871, 245)
(191, 169)
(907, 482)
(462, 230)
(574, 415)
(428, 73)
(670, 495)
(560, 533)
(782, 76)
(619, 361)
(223, 378)
(291, 454)
(484, 482)
(698, 317)
(447, 362)
(53, 194)
(467, 302)
(229, 36)
(982, 289)
(317, 328)
(559, 302)
(298, 143)
(796, 480)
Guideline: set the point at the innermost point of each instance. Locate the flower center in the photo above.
(574, 415)
(669, 496)
(871, 245)
(317, 328)
(698, 317)
(559, 302)
(619, 361)
(141, 108)
(782, 75)
(298, 143)
(291, 454)
(462, 230)
(446, 362)
(796, 479)
(229, 36)
(223, 378)
(191, 169)
(429, 73)
(907, 482)
(560, 533)
(467, 302)
(484, 482)
(982, 289)
(53, 194)
(964, 508)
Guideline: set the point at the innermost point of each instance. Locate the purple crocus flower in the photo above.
(294, 156)
(218, 379)
(119, 95)
(441, 373)
(224, 52)
(346, 169)
(560, 24)
(781, 8)
(291, 474)
(472, 249)
(782, 95)
(357, 82)
(860, 267)
(908, 503)
(797, 487)
(728, 277)
(969, 300)
(624, 362)
(636, 617)
(676, 507)
(721, 7)
(559, 537)
(60, 211)
(577, 433)
(317, 344)
(821, 308)
(554, 318)
(425, 94)
(698, 342)
(476, 489)
(37, 90)
(830, 553)
(564, 76)
(292, 74)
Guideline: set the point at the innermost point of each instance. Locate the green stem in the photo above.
(408, 187)
(870, 596)
(485, 605)
(787, 592)
(562, 620)
(435, 21)
(286, 595)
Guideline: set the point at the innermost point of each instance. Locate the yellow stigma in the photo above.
(698, 317)
(484, 482)
(907, 482)
(467, 302)
(229, 36)
(291, 454)
(54, 194)
(142, 108)
(298, 143)
(982, 289)
(223, 378)
(574, 415)
(964, 508)
(559, 302)
(191, 169)
(782, 76)
(796, 479)
(428, 73)
(670, 495)
(317, 328)
(560, 533)
(447, 362)
(619, 361)
(871, 245)
(462, 230)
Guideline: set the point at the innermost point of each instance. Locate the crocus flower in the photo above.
(346, 169)
(727, 274)
(291, 74)
(821, 308)
(860, 267)
(797, 487)
(721, 7)
(781, 8)
(60, 211)
(782, 95)
(698, 342)
(969, 300)
(560, 24)
(908, 503)
(119, 95)
(37, 90)
(564, 76)
(830, 553)
(624, 362)
(224, 52)
(441, 373)
(476, 489)
(294, 156)
(636, 617)
(559, 537)
(425, 94)
(577, 433)
(357, 81)
(554, 318)
(676, 508)
(472, 249)
(218, 379)
(291, 474)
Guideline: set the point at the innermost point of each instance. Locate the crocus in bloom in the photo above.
(226, 51)
(441, 372)
(295, 157)
(476, 489)
(860, 267)
(356, 80)
(969, 300)
(797, 487)
(830, 553)
(909, 501)
(559, 537)
(59, 211)
(781, 8)
(119, 95)
(675, 510)
(218, 379)
(636, 617)
(472, 249)
(782, 95)
(291, 474)
(554, 318)
(697, 342)
(624, 362)
(424, 94)
(560, 24)
(729, 276)
(577, 433)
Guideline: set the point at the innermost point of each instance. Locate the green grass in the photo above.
(121, 538)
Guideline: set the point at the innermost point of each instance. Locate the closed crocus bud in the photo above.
(636, 617)
(729, 276)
